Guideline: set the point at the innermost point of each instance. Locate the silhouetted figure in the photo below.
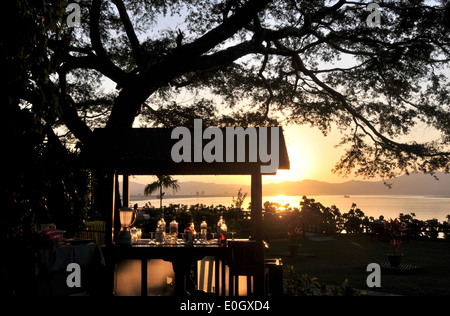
(179, 39)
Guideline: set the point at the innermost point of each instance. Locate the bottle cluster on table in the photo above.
(189, 235)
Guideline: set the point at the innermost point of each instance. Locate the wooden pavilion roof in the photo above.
(147, 151)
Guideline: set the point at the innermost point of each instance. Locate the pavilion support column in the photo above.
(110, 206)
(256, 208)
(108, 189)
(257, 225)
(126, 190)
(105, 201)
(117, 205)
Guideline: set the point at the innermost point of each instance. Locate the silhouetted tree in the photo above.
(269, 62)
(40, 182)
(162, 181)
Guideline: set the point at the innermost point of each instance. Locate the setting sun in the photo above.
(312, 155)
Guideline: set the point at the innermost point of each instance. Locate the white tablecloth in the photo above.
(84, 255)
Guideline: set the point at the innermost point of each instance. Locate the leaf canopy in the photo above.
(258, 62)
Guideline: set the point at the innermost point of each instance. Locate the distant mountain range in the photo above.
(415, 184)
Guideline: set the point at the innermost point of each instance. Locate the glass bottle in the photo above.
(173, 232)
(189, 233)
(219, 224)
(158, 234)
(203, 229)
(163, 223)
(173, 228)
(223, 233)
(192, 226)
(160, 230)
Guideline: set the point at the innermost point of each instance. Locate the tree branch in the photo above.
(129, 29)
(69, 112)
(227, 29)
(420, 151)
(95, 29)
(104, 63)
(94, 62)
(224, 57)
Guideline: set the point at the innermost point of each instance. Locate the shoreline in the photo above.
(174, 197)
(390, 206)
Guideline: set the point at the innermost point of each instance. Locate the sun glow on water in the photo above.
(277, 204)
(281, 199)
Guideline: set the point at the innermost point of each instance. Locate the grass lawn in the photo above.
(347, 257)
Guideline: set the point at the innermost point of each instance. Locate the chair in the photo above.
(378, 230)
(247, 259)
(205, 275)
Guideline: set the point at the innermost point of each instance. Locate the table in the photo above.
(182, 256)
(59, 258)
(51, 268)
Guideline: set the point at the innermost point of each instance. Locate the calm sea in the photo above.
(390, 206)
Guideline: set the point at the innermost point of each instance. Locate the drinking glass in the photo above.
(152, 240)
(213, 240)
(181, 240)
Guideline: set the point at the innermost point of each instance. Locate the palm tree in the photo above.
(161, 181)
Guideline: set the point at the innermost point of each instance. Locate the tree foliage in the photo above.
(257, 62)
(40, 182)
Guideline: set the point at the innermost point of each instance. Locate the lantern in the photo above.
(127, 219)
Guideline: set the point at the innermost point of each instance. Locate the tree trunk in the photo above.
(129, 101)
(160, 197)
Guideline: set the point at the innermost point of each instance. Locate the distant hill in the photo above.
(193, 188)
(415, 184)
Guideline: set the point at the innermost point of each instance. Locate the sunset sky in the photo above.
(312, 156)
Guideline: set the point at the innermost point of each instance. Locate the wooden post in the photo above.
(110, 206)
(144, 274)
(117, 205)
(256, 207)
(105, 202)
(256, 218)
(126, 191)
